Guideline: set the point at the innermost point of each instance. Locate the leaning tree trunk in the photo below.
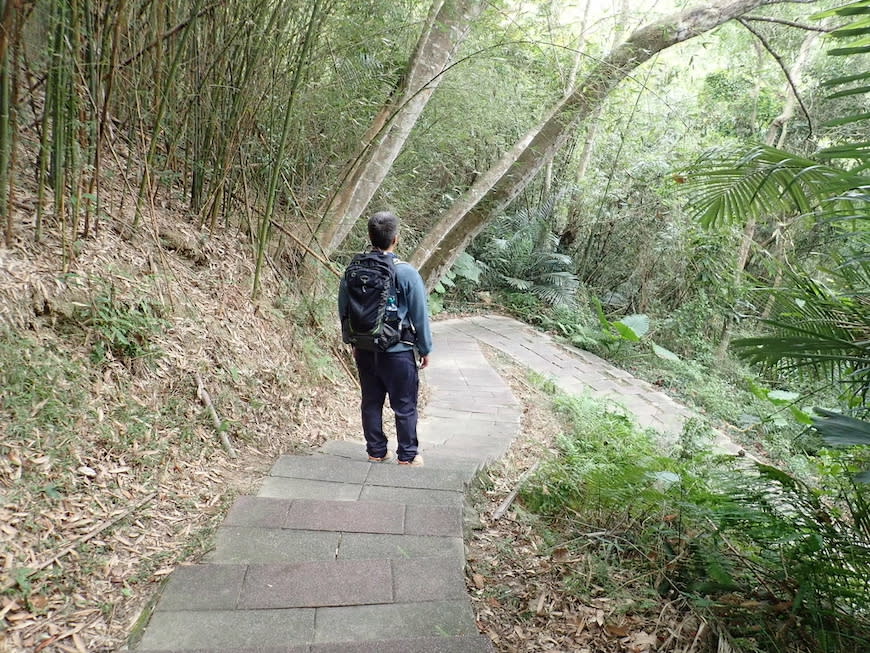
(496, 188)
(445, 29)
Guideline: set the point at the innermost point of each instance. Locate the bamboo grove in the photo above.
(103, 103)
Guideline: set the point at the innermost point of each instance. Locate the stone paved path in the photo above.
(336, 554)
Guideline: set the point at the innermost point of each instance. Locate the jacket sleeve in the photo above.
(417, 306)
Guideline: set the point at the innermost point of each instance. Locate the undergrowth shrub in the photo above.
(119, 328)
(777, 564)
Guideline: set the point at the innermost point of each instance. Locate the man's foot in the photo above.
(416, 461)
(383, 459)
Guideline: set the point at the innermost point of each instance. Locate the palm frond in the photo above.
(854, 37)
(727, 186)
(819, 328)
(519, 253)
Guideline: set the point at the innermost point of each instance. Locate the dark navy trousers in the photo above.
(394, 374)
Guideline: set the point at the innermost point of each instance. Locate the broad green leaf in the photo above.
(625, 331)
(757, 390)
(847, 120)
(841, 430)
(858, 90)
(666, 354)
(638, 324)
(467, 268)
(782, 397)
(801, 416)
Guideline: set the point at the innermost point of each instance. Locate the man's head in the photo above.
(383, 229)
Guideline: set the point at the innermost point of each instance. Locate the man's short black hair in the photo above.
(383, 227)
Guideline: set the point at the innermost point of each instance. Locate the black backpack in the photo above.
(371, 318)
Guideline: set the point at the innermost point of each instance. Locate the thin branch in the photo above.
(790, 23)
(168, 35)
(784, 69)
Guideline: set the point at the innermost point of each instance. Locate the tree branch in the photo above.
(790, 23)
(783, 67)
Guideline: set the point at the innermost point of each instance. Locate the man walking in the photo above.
(392, 371)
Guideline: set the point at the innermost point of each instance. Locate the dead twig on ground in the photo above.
(499, 512)
(203, 396)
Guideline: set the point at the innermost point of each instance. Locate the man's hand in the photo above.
(424, 362)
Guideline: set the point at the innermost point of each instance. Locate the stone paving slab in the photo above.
(434, 520)
(355, 449)
(252, 545)
(412, 496)
(316, 584)
(510, 415)
(228, 629)
(367, 546)
(425, 478)
(260, 512)
(322, 467)
(282, 487)
(345, 516)
(203, 587)
(428, 579)
(462, 644)
(367, 622)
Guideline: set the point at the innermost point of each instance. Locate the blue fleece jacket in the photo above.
(412, 301)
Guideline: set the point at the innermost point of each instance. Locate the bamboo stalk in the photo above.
(266, 222)
(503, 507)
(161, 110)
(205, 398)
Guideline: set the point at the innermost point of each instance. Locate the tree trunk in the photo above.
(496, 188)
(445, 29)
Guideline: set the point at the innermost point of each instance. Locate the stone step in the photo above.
(461, 644)
(249, 545)
(346, 517)
(356, 450)
(343, 627)
(339, 478)
(270, 530)
(210, 587)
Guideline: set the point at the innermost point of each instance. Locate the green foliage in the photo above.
(853, 37)
(778, 564)
(724, 96)
(41, 389)
(819, 329)
(121, 328)
(731, 185)
(518, 253)
(841, 430)
(604, 463)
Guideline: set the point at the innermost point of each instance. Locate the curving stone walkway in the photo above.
(336, 554)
